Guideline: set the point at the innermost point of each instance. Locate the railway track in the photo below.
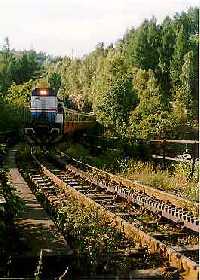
(127, 249)
(140, 217)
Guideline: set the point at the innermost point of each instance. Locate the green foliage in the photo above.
(14, 112)
(20, 95)
(16, 67)
(24, 154)
(107, 159)
(113, 95)
(54, 80)
(12, 117)
(78, 150)
(148, 120)
(178, 55)
(23, 68)
(145, 86)
(17, 71)
(142, 49)
(91, 234)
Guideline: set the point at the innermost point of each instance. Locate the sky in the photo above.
(75, 27)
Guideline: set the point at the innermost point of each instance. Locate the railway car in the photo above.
(47, 113)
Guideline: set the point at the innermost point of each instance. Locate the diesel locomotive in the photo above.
(47, 113)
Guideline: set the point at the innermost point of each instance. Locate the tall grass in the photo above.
(177, 181)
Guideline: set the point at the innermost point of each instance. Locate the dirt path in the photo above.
(34, 227)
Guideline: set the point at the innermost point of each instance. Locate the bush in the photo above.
(77, 150)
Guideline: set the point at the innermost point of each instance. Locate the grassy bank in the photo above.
(175, 179)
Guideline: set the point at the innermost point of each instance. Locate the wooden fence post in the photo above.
(164, 153)
(194, 149)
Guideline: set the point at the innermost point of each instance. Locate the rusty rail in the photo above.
(167, 210)
(188, 267)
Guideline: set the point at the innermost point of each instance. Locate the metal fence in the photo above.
(74, 116)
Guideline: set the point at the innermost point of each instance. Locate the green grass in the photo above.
(108, 160)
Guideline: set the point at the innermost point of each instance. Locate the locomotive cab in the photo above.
(47, 113)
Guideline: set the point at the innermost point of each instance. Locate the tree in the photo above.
(142, 82)
(5, 61)
(17, 68)
(14, 112)
(185, 108)
(148, 120)
(54, 80)
(24, 68)
(113, 95)
(178, 55)
(142, 48)
(19, 95)
(166, 50)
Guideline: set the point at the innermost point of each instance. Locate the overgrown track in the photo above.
(172, 207)
(139, 222)
(56, 196)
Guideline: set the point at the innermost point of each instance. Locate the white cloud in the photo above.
(59, 26)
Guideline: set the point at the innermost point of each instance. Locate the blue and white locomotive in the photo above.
(47, 113)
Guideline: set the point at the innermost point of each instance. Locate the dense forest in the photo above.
(145, 86)
(18, 70)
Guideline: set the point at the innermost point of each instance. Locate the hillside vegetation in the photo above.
(18, 70)
(145, 86)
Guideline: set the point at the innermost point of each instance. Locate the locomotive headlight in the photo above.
(43, 92)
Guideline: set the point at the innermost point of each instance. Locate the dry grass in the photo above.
(177, 181)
